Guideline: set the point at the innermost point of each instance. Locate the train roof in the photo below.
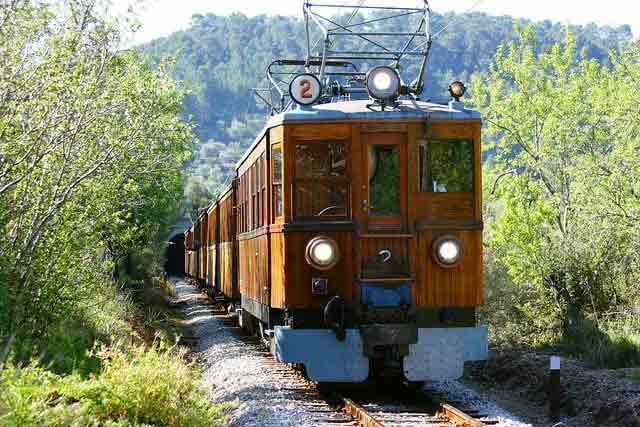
(360, 111)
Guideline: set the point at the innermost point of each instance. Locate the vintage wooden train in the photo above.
(351, 235)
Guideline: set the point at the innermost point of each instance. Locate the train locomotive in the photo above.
(350, 238)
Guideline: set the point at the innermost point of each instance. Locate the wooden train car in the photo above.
(189, 258)
(351, 237)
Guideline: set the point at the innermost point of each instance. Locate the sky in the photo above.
(162, 17)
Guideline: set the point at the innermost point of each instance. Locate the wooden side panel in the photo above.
(253, 268)
(434, 207)
(298, 273)
(202, 250)
(227, 246)
(371, 247)
(212, 266)
(227, 284)
(277, 270)
(399, 248)
(212, 238)
(460, 286)
(448, 206)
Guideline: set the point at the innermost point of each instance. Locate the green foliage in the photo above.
(222, 57)
(134, 387)
(449, 166)
(385, 181)
(91, 149)
(562, 209)
(610, 344)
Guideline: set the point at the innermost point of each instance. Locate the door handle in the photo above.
(365, 205)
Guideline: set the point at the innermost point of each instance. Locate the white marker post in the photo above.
(554, 387)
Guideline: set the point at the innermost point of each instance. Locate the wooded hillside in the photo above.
(220, 58)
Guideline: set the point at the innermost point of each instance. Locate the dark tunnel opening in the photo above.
(174, 264)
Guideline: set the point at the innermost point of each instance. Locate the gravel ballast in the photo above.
(236, 371)
(240, 372)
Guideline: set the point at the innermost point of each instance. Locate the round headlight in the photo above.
(322, 253)
(457, 89)
(447, 251)
(383, 83)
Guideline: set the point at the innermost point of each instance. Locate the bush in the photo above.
(134, 387)
(524, 316)
(610, 344)
(516, 315)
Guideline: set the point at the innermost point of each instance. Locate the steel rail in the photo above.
(359, 413)
(451, 414)
(458, 417)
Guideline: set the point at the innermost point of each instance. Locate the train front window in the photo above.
(446, 166)
(384, 180)
(321, 180)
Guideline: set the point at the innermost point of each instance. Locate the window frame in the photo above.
(277, 216)
(424, 145)
(344, 180)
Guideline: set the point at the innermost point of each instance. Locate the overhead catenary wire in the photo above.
(455, 19)
(476, 4)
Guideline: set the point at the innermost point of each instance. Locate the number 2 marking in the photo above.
(305, 89)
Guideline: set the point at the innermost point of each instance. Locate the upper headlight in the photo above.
(322, 253)
(457, 89)
(383, 83)
(447, 251)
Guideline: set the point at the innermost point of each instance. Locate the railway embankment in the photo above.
(238, 370)
(588, 397)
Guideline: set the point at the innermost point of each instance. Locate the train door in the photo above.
(383, 242)
(383, 195)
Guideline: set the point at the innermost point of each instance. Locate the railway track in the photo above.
(420, 409)
(374, 405)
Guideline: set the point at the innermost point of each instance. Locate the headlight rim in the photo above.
(398, 83)
(313, 242)
(435, 250)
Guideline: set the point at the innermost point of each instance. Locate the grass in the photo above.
(135, 386)
(118, 366)
(610, 344)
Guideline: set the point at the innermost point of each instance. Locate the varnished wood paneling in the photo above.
(298, 273)
(202, 248)
(276, 134)
(277, 270)
(228, 285)
(412, 174)
(251, 159)
(319, 131)
(398, 265)
(377, 127)
(446, 206)
(212, 268)
(227, 219)
(227, 247)
(212, 238)
(477, 146)
(253, 264)
(460, 286)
